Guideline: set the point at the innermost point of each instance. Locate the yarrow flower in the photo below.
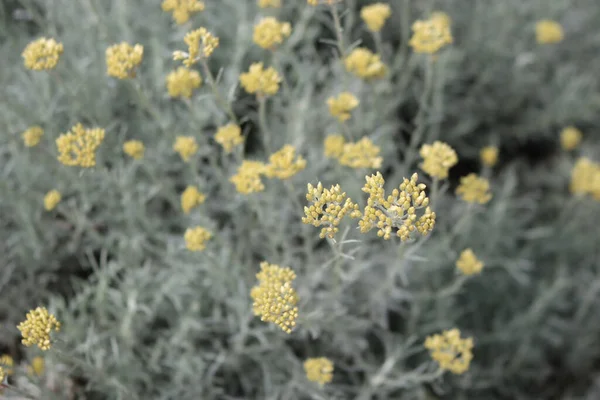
(186, 146)
(51, 199)
(182, 82)
(37, 367)
(42, 54)
(37, 327)
(585, 178)
(548, 32)
(78, 146)
(6, 364)
(201, 44)
(319, 370)
(269, 32)
(229, 136)
(283, 164)
(468, 263)
(398, 210)
(334, 146)
(122, 59)
(450, 351)
(375, 15)
(438, 158)
(474, 189)
(275, 300)
(269, 3)
(570, 138)
(364, 64)
(430, 35)
(489, 156)
(260, 81)
(191, 198)
(361, 154)
(327, 209)
(196, 238)
(134, 149)
(247, 180)
(182, 9)
(341, 106)
(32, 136)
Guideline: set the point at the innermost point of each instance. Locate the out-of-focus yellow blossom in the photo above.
(585, 178)
(399, 210)
(548, 32)
(78, 146)
(317, 2)
(275, 300)
(196, 238)
(201, 44)
(489, 156)
(122, 59)
(37, 327)
(42, 54)
(247, 180)
(438, 158)
(3, 375)
(269, 32)
(364, 64)
(450, 351)
(283, 164)
(260, 81)
(361, 154)
(468, 263)
(182, 9)
(186, 146)
(191, 198)
(570, 138)
(6, 363)
(430, 35)
(51, 199)
(319, 370)
(341, 106)
(474, 189)
(334, 146)
(327, 209)
(269, 3)
(375, 15)
(37, 367)
(134, 149)
(32, 136)
(229, 136)
(182, 82)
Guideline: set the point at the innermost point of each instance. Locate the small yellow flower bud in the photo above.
(570, 138)
(51, 199)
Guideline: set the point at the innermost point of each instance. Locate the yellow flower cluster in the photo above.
(191, 198)
(341, 106)
(319, 370)
(78, 146)
(32, 136)
(196, 238)
(468, 263)
(269, 3)
(317, 2)
(269, 32)
(122, 59)
(375, 15)
(474, 189)
(489, 156)
(260, 81)
(201, 44)
(283, 164)
(42, 54)
(186, 146)
(570, 138)
(334, 146)
(37, 327)
(247, 180)
(134, 149)
(275, 300)
(438, 158)
(182, 9)
(361, 154)
(229, 136)
(364, 64)
(430, 35)
(51, 199)
(548, 32)
(585, 178)
(37, 367)
(182, 82)
(327, 209)
(3, 375)
(450, 351)
(6, 364)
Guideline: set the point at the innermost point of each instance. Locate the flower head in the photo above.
(361, 154)
(450, 351)
(375, 15)
(229, 136)
(548, 32)
(42, 54)
(430, 35)
(327, 209)
(269, 32)
(570, 138)
(269, 3)
(585, 178)
(182, 82)
(438, 158)
(247, 179)
(334, 146)
(122, 59)
(191, 198)
(341, 106)
(364, 64)
(186, 146)
(6, 363)
(196, 238)
(489, 156)
(37, 366)
(468, 263)
(32, 136)
(182, 9)
(474, 189)
(319, 370)
(51, 199)
(275, 300)
(78, 146)
(201, 44)
(283, 164)
(260, 81)
(37, 327)
(134, 149)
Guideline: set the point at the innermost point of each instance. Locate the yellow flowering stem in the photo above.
(215, 90)
(262, 123)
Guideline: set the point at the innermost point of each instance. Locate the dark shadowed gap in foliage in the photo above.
(14, 16)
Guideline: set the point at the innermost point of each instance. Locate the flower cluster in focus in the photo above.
(36, 329)
(42, 54)
(78, 146)
(327, 209)
(201, 44)
(450, 351)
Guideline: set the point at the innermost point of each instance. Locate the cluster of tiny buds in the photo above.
(328, 208)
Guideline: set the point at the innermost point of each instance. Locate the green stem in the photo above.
(262, 122)
(339, 32)
(215, 90)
